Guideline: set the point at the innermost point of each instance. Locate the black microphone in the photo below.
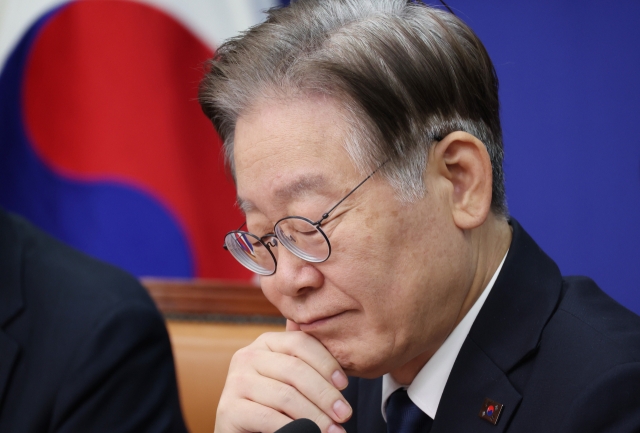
(302, 425)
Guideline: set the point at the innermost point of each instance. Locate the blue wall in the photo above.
(570, 91)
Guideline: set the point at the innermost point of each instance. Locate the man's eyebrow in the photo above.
(244, 205)
(303, 185)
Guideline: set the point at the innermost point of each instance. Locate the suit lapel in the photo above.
(523, 299)
(506, 331)
(369, 402)
(11, 297)
(472, 380)
(8, 356)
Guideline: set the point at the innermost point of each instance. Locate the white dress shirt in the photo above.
(426, 389)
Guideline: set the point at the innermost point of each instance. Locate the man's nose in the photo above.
(295, 276)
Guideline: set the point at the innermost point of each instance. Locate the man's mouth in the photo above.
(317, 322)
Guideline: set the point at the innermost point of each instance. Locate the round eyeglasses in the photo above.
(301, 236)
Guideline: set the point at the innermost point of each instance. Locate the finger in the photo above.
(246, 416)
(290, 401)
(309, 383)
(292, 326)
(310, 350)
(272, 378)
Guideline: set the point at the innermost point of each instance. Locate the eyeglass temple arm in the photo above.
(326, 214)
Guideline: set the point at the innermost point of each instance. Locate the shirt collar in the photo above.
(426, 389)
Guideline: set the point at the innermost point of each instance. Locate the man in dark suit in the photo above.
(557, 353)
(82, 346)
(365, 141)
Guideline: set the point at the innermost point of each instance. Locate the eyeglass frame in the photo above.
(316, 224)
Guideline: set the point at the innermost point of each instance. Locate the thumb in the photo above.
(292, 326)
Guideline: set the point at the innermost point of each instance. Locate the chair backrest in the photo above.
(208, 321)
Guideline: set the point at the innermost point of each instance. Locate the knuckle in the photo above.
(262, 415)
(238, 385)
(329, 365)
(238, 381)
(294, 366)
(286, 394)
(244, 356)
(327, 395)
(322, 420)
(240, 356)
(224, 410)
(227, 412)
(263, 338)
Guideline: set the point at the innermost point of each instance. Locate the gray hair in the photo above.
(404, 74)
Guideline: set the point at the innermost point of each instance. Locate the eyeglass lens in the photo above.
(303, 238)
(250, 252)
(297, 234)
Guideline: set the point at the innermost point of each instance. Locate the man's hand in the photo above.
(280, 377)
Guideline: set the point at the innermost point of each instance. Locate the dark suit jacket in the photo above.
(82, 346)
(558, 353)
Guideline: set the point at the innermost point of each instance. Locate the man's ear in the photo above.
(464, 165)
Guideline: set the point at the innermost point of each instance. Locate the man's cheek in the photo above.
(271, 293)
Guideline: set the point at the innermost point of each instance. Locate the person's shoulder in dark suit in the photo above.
(570, 353)
(82, 346)
(596, 367)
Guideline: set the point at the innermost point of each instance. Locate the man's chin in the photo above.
(355, 364)
(364, 374)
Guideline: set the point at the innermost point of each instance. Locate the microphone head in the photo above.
(302, 425)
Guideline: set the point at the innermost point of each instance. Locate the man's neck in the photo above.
(492, 241)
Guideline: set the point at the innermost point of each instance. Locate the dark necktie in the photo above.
(405, 417)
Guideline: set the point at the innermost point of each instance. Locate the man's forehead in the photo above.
(284, 151)
(288, 189)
